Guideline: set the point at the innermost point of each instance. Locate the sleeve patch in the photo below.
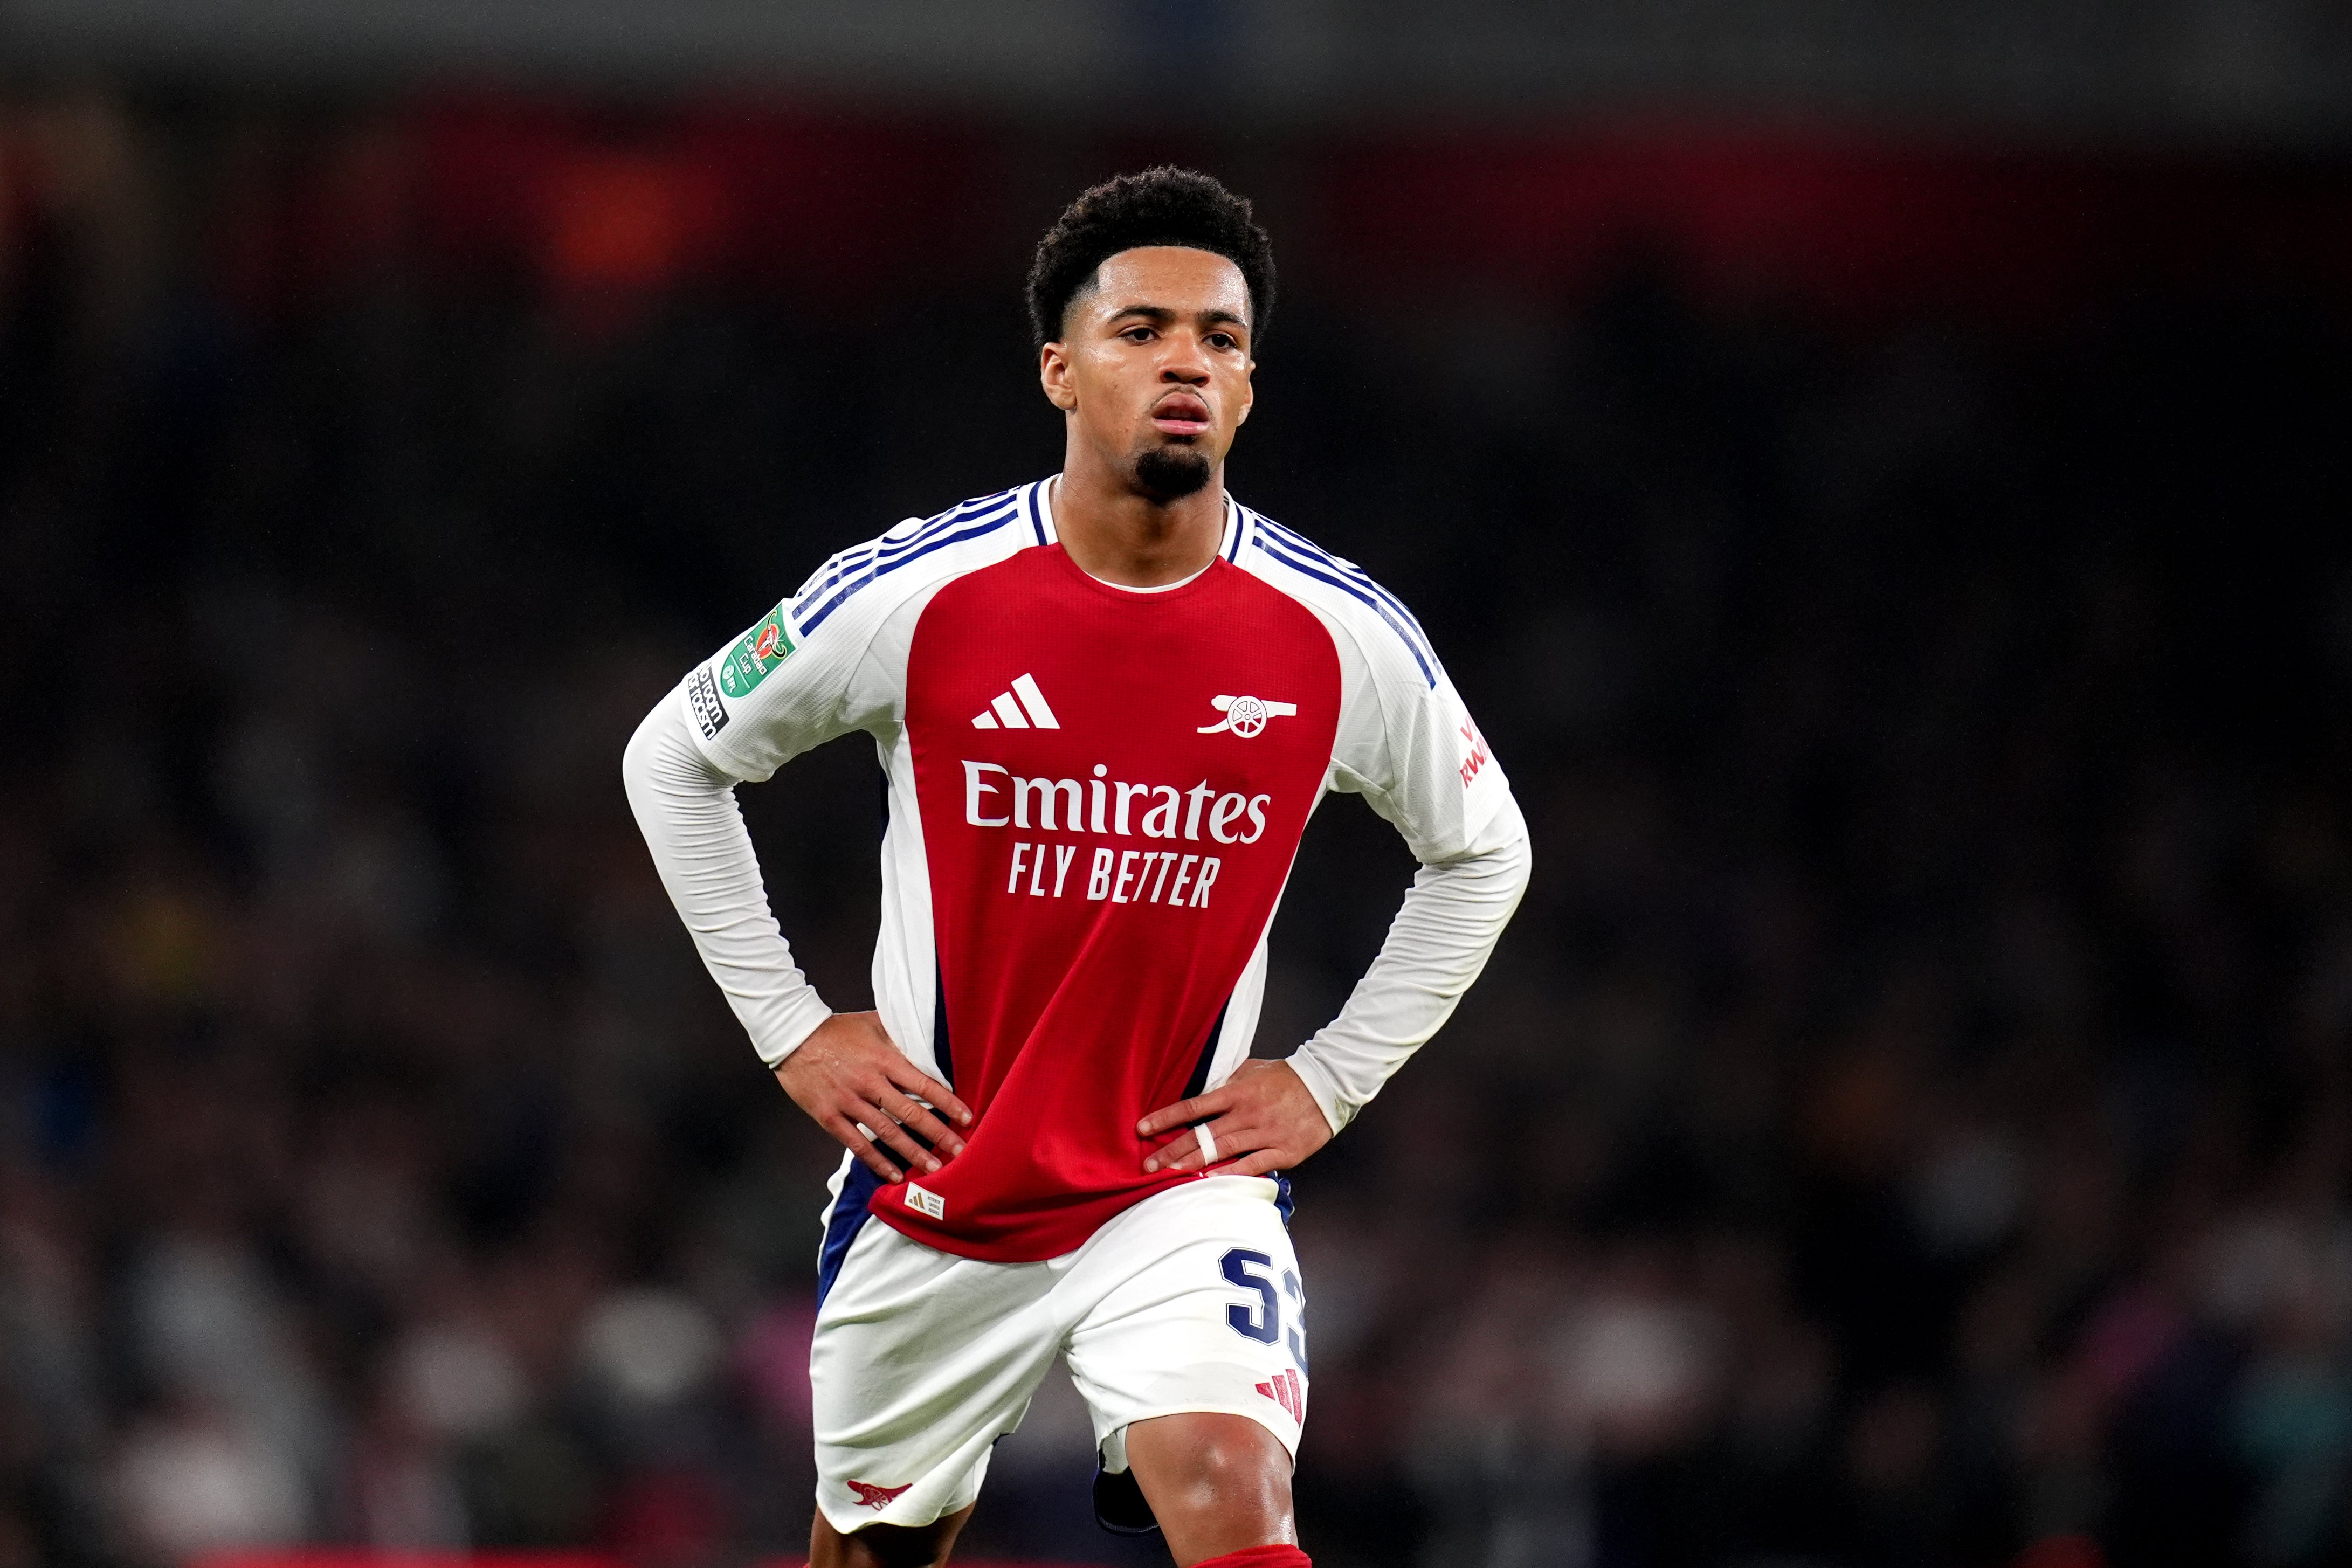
(702, 696)
(762, 649)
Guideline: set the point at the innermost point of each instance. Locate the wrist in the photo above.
(804, 1017)
(1320, 1084)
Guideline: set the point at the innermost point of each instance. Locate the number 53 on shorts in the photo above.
(1263, 1323)
(1191, 1301)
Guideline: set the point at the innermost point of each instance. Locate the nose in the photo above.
(1184, 364)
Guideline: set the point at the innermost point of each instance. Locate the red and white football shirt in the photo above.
(1095, 797)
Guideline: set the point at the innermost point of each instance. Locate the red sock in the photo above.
(1259, 1557)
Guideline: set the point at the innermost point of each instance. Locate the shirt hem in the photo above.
(1013, 1248)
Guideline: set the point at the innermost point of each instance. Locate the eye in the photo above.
(1223, 341)
(1137, 334)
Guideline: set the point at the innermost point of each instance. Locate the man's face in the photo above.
(1154, 365)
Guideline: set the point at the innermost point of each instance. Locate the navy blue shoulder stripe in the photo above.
(1356, 574)
(1344, 586)
(1349, 568)
(1242, 515)
(1345, 567)
(991, 506)
(912, 549)
(850, 561)
(842, 565)
(1299, 562)
(1036, 522)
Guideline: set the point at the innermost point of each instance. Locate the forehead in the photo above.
(1171, 276)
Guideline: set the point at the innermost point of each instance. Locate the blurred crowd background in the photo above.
(1901, 562)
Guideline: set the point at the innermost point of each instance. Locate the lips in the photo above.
(1180, 413)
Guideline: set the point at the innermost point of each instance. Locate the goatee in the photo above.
(1165, 473)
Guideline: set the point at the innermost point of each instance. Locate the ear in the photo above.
(1249, 395)
(1053, 375)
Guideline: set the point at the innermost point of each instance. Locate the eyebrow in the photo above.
(1161, 315)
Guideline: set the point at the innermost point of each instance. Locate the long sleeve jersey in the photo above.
(1095, 797)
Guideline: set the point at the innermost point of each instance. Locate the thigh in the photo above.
(920, 1361)
(1215, 1483)
(1194, 1303)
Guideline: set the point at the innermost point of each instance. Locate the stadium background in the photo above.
(1878, 474)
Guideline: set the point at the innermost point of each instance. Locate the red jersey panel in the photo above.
(1112, 786)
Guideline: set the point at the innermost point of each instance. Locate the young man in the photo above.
(1106, 704)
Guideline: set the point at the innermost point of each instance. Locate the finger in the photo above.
(911, 1114)
(916, 1081)
(1187, 1153)
(1264, 1162)
(1199, 1108)
(846, 1133)
(885, 1130)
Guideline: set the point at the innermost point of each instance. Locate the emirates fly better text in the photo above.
(995, 796)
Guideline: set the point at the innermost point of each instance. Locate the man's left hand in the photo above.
(1261, 1119)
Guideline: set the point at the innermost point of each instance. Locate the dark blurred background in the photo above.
(1878, 472)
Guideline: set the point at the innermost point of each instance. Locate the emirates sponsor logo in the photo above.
(995, 796)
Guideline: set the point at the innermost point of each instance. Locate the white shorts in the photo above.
(1191, 1301)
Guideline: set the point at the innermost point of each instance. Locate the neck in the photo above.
(1119, 536)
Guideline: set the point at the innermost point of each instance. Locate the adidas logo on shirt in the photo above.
(1023, 707)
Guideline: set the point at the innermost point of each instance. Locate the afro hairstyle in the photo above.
(1163, 205)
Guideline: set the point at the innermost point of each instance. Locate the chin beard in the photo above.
(1165, 473)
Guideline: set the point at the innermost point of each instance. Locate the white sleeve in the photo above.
(1409, 747)
(1452, 916)
(686, 810)
(776, 691)
(739, 715)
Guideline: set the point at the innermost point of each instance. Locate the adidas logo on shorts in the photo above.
(1023, 707)
(1286, 1391)
(929, 1203)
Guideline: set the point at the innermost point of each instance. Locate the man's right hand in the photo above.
(848, 1072)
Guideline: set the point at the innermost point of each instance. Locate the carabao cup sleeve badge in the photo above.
(762, 649)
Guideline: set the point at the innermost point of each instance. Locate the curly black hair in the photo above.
(1163, 205)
